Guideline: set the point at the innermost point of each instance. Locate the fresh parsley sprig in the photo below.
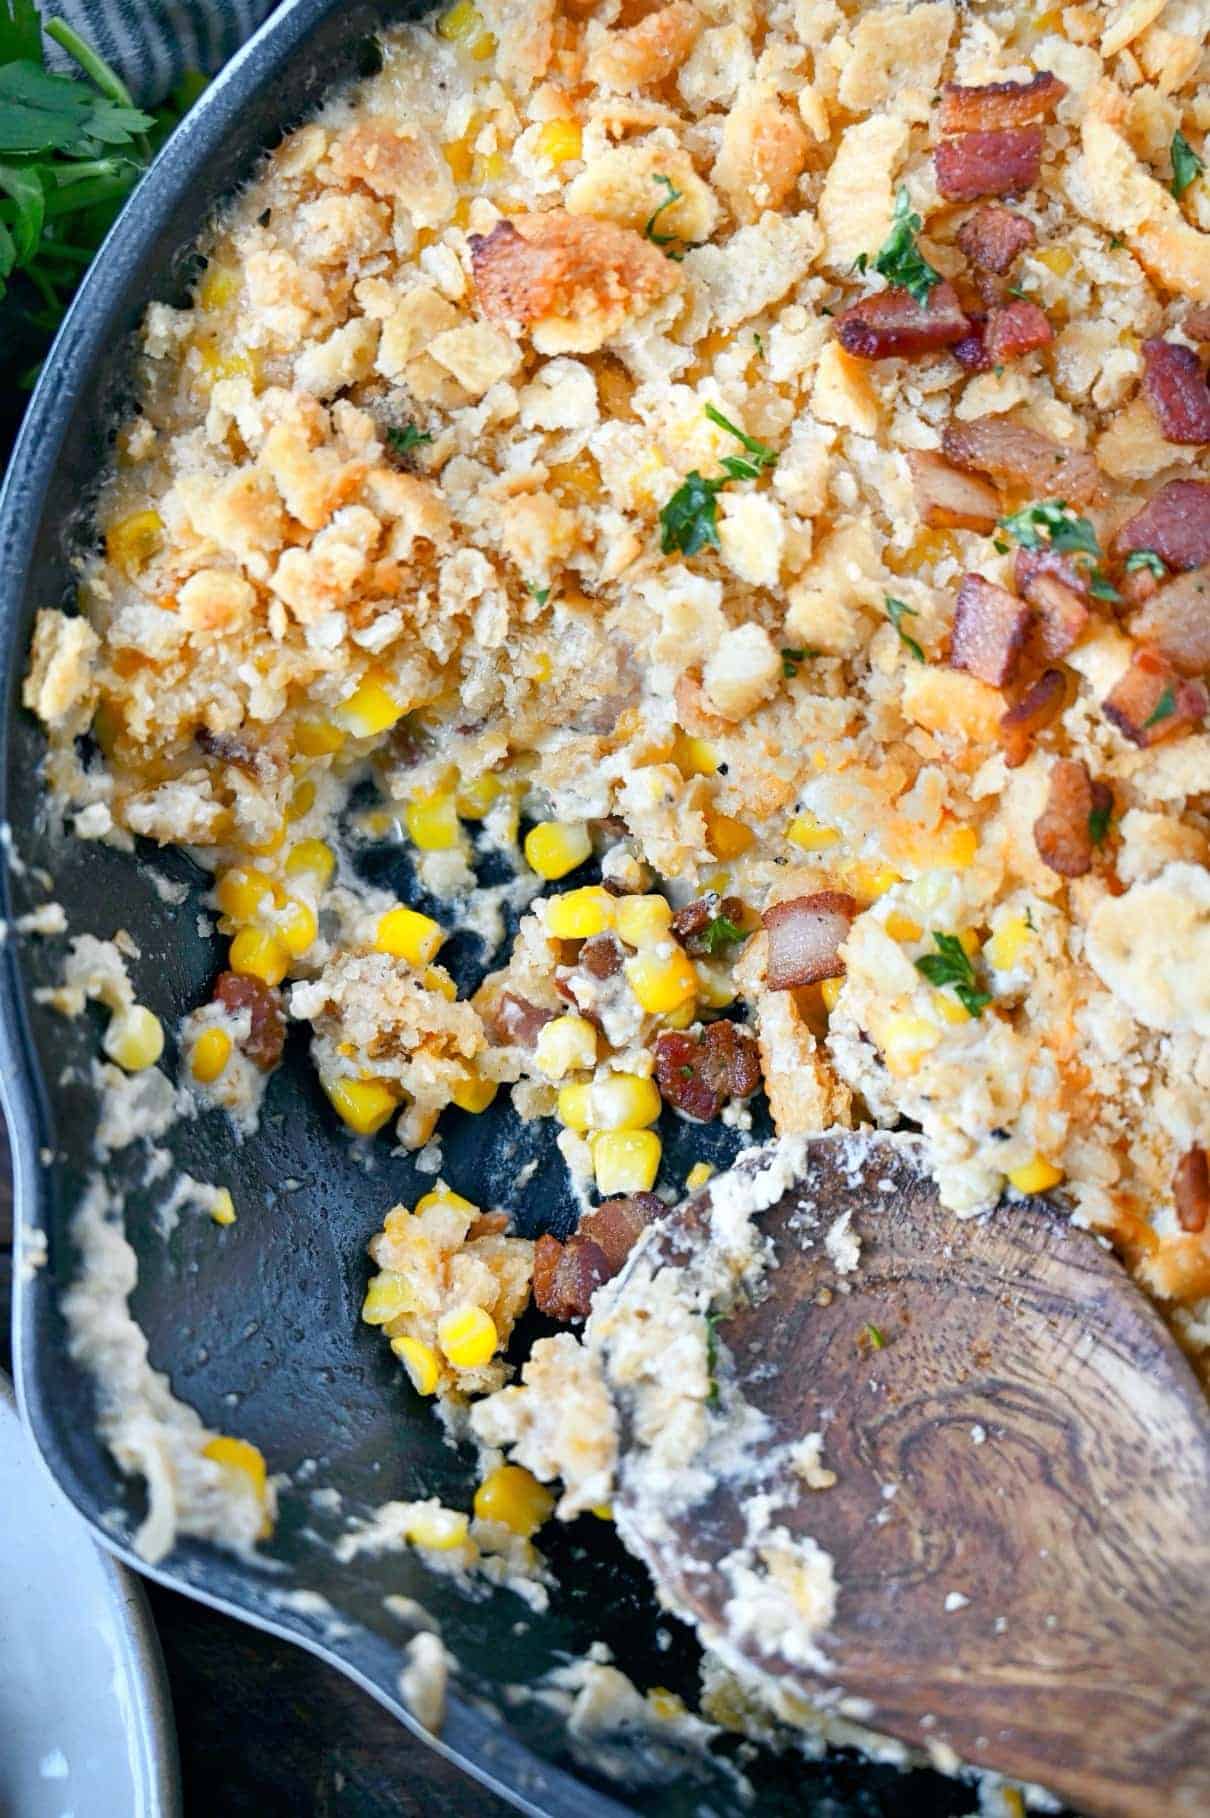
(1148, 559)
(669, 243)
(896, 610)
(1164, 708)
(689, 521)
(721, 932)
(900, 260)
(1054, 525)
(951, 965)
(1187, 167)
(402, 440)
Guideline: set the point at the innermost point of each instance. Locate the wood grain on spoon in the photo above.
(1020, 1522)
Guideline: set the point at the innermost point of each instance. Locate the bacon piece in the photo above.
(1191, 1190)
(579, 276)
(1062, 832)
(994, 237)
(1019, 328)
(1058, 592)
(1197, 323)
(948, 499)
(993, 106)
(699, 1075)
(691, 923)
(601, 956)
(805, 938)
(1039, 707)
(567, 1275)
(516, 1022)
(988, 164)
(1151, 701)
(971, 351)
(1174, 384)
(1175, 522)
(989, 630)
(891, 324)
(1176, 622)
(229, 748)
(266, 1036)
(1023, 458)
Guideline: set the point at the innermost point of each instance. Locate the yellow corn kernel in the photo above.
(387, 1296)
(950, 1009)
(447, 1200)
(132, 541)
(363, 1104)
(1014, 1803)
(370, 709)
(805, 831)
(301, 801)
(681, 1017)
(714, 987)
(698, 1175)
(243, 891)
(243, 1460)
(218, 287)
(514, 1496)
(553, 848)
(408, 935)
(662, 981)
(901, 927)
(727, 836)
(559, 141)
(622, 1101)
(830, 991)
(474, 1094)
(436, 978)
(1008, 943)
(957, 846)
(582, 477)
(432, 822)
(626, 1161)
(256, 954)
(694, 757)
(314, 859)
(665, 1704)
(475, 800)
(459, 155)
(437, 1529)
(905, 1042)
(1056, 259)
(1037, 1176)
(420, 1361)
(219, 363)
(868, 880)
(483, 48)
(468, 1337)
(211, 1052)
(969, 942)
(274, 843)
(295, 926)
(134, 1038)
(579, 914)
(574, 1106)
(602, 1510)
(565, 1045)
(643, 921)
(542, 667)
(222, 1209)
(460, 22)
(318, 738)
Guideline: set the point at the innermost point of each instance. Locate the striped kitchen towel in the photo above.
(152, 43)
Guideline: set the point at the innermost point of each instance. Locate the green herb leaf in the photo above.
(873, 1337)
(1164, 708)
(22, 183)
(1145, 558)
(790, 659)
(1098, 823)
(20, 32)
(673, 195)
(1101, 588)
(1187, 167)
(951, 965)
(403, 440)
(720, 933)
(762, 455)
(690, 518)
(900, 260)
(895, 611)
(1065, 533)
(713, 1320)
(541, 594)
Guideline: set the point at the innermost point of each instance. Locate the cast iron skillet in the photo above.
(258, 1324)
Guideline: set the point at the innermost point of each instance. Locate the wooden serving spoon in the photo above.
(1020, 1523)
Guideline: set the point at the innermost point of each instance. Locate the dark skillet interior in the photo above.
(258, 1324)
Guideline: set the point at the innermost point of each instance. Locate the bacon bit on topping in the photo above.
(892, 324)
(805, 938)
(566, 1275)
(516, 1022)
(1039, 707)
(1151, 702)
(1022, 457)
(692, 924)
(996, 105)
(699, 1075)
(266, 1036)
(1176, 622)
(1197, 323)
(989, 630)
(1191, 1190)
(971, 351)
(1176, 389)
(1062, 832)
(988, 164)
(1175, 523)
(1058, 591)
(949, 500)
(994, 237)
(1019, 328)
(601, 956)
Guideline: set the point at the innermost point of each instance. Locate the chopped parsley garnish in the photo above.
(1100, 588)
(666, 241)
(872, 1337)
(790, 659)
(1066, 533)
(721, 932)
(541, 594)
(1145, 558)
(895, 611)
(1164, 708)
(1098, 823)
(951, 965)
(762, 455)
(900, 261)
(713, 1321)
(760, 346)
(1187, 167)
(403, 440)
(690, 518)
